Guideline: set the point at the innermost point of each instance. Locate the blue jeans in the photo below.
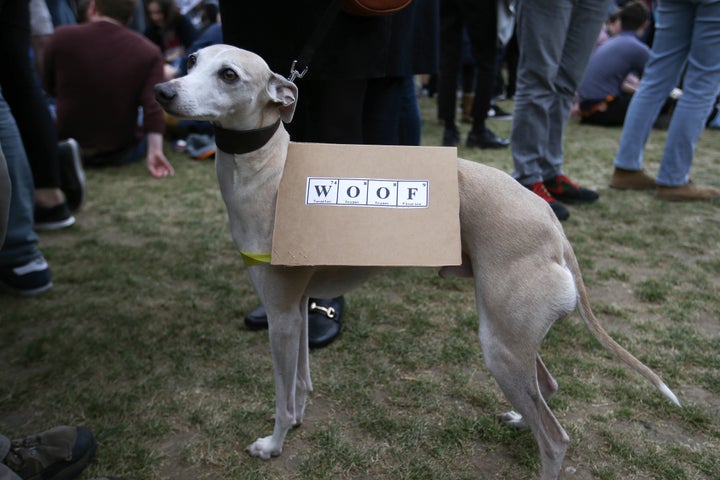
(20, 240)
(687, 34)
(555, 39)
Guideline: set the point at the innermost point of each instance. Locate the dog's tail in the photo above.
(602, 336)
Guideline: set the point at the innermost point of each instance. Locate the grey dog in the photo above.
(525, 272)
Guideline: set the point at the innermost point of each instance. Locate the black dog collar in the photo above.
(243, 141)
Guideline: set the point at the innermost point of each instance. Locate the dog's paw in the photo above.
(264, 448)
(514, 419)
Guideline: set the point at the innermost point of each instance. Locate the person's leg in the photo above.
(23, 269)
(701, 84)
(410, 132)
(27, 101)
(662, 73)
(585, 22)
(451, 32)
(612, 116)
(4, 196)
(540, 34)
(480, 17)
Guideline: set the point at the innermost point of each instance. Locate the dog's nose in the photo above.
(165, 92)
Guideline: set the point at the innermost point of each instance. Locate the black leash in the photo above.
(300, 66)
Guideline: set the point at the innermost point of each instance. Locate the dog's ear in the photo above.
(284, 93)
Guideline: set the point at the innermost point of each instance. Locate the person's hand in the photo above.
(157, 163)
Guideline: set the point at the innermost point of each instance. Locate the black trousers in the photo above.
(22, 92)
(479, 18)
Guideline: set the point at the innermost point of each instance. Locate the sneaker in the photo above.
(57, 454)
(28, 279)
(498, 113)
(631, 180)
(200, 146)
(72, 175)
(53, 218)
(687, 192)
(565, 190)
(560, 210)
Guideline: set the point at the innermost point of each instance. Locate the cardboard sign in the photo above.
(367, 205)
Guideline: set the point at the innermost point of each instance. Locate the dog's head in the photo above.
(230, 87)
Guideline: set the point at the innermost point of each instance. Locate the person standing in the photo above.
(687, 35)
(555, 39)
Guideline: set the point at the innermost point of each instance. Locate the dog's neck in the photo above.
(243, 141)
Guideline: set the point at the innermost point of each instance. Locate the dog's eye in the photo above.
(228, 75)
(191, 61)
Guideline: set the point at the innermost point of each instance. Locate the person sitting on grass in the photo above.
(612, 73)
(102, 74)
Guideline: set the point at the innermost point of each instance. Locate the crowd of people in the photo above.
(80, 94)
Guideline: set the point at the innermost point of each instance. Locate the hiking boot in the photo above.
(688, 192)
(560, 210)
(567, 191)
(57, 454)
(72, 175)
(53, 218)
(27, 279)
(631, 180)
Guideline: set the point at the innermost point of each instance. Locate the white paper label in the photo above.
(367, 192)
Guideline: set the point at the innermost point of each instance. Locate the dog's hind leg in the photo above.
(513, 362)
(548, 387)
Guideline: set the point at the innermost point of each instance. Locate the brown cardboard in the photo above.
(349, 225)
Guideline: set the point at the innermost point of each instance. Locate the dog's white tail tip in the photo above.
(669, 394)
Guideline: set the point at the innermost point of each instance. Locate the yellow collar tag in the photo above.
(251, 259)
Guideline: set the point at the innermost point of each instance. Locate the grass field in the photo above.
(142, 340)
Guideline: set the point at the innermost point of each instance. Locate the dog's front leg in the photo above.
(285, 334)
(303, 387)
(281, 291)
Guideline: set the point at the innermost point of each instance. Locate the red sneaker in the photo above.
(565, 190)
(560, 210)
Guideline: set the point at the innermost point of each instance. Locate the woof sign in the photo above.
(367, 192)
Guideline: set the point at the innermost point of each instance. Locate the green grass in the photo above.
(142, 340)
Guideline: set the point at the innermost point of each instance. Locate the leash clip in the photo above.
(294, 73)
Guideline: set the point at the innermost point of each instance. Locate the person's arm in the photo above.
(157, 163)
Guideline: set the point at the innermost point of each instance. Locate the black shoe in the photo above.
(451, 137)
(72, 175)
(486, 139)
(257, 319)
(53, 218)
(57, 454)
(324, 321)
(567, 191)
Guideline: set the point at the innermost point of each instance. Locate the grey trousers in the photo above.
(555, 39)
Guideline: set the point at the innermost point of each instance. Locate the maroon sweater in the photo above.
(100, 73)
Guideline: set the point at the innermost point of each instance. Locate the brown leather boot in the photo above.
(466, 107)
(688, 192)
(631, 180)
